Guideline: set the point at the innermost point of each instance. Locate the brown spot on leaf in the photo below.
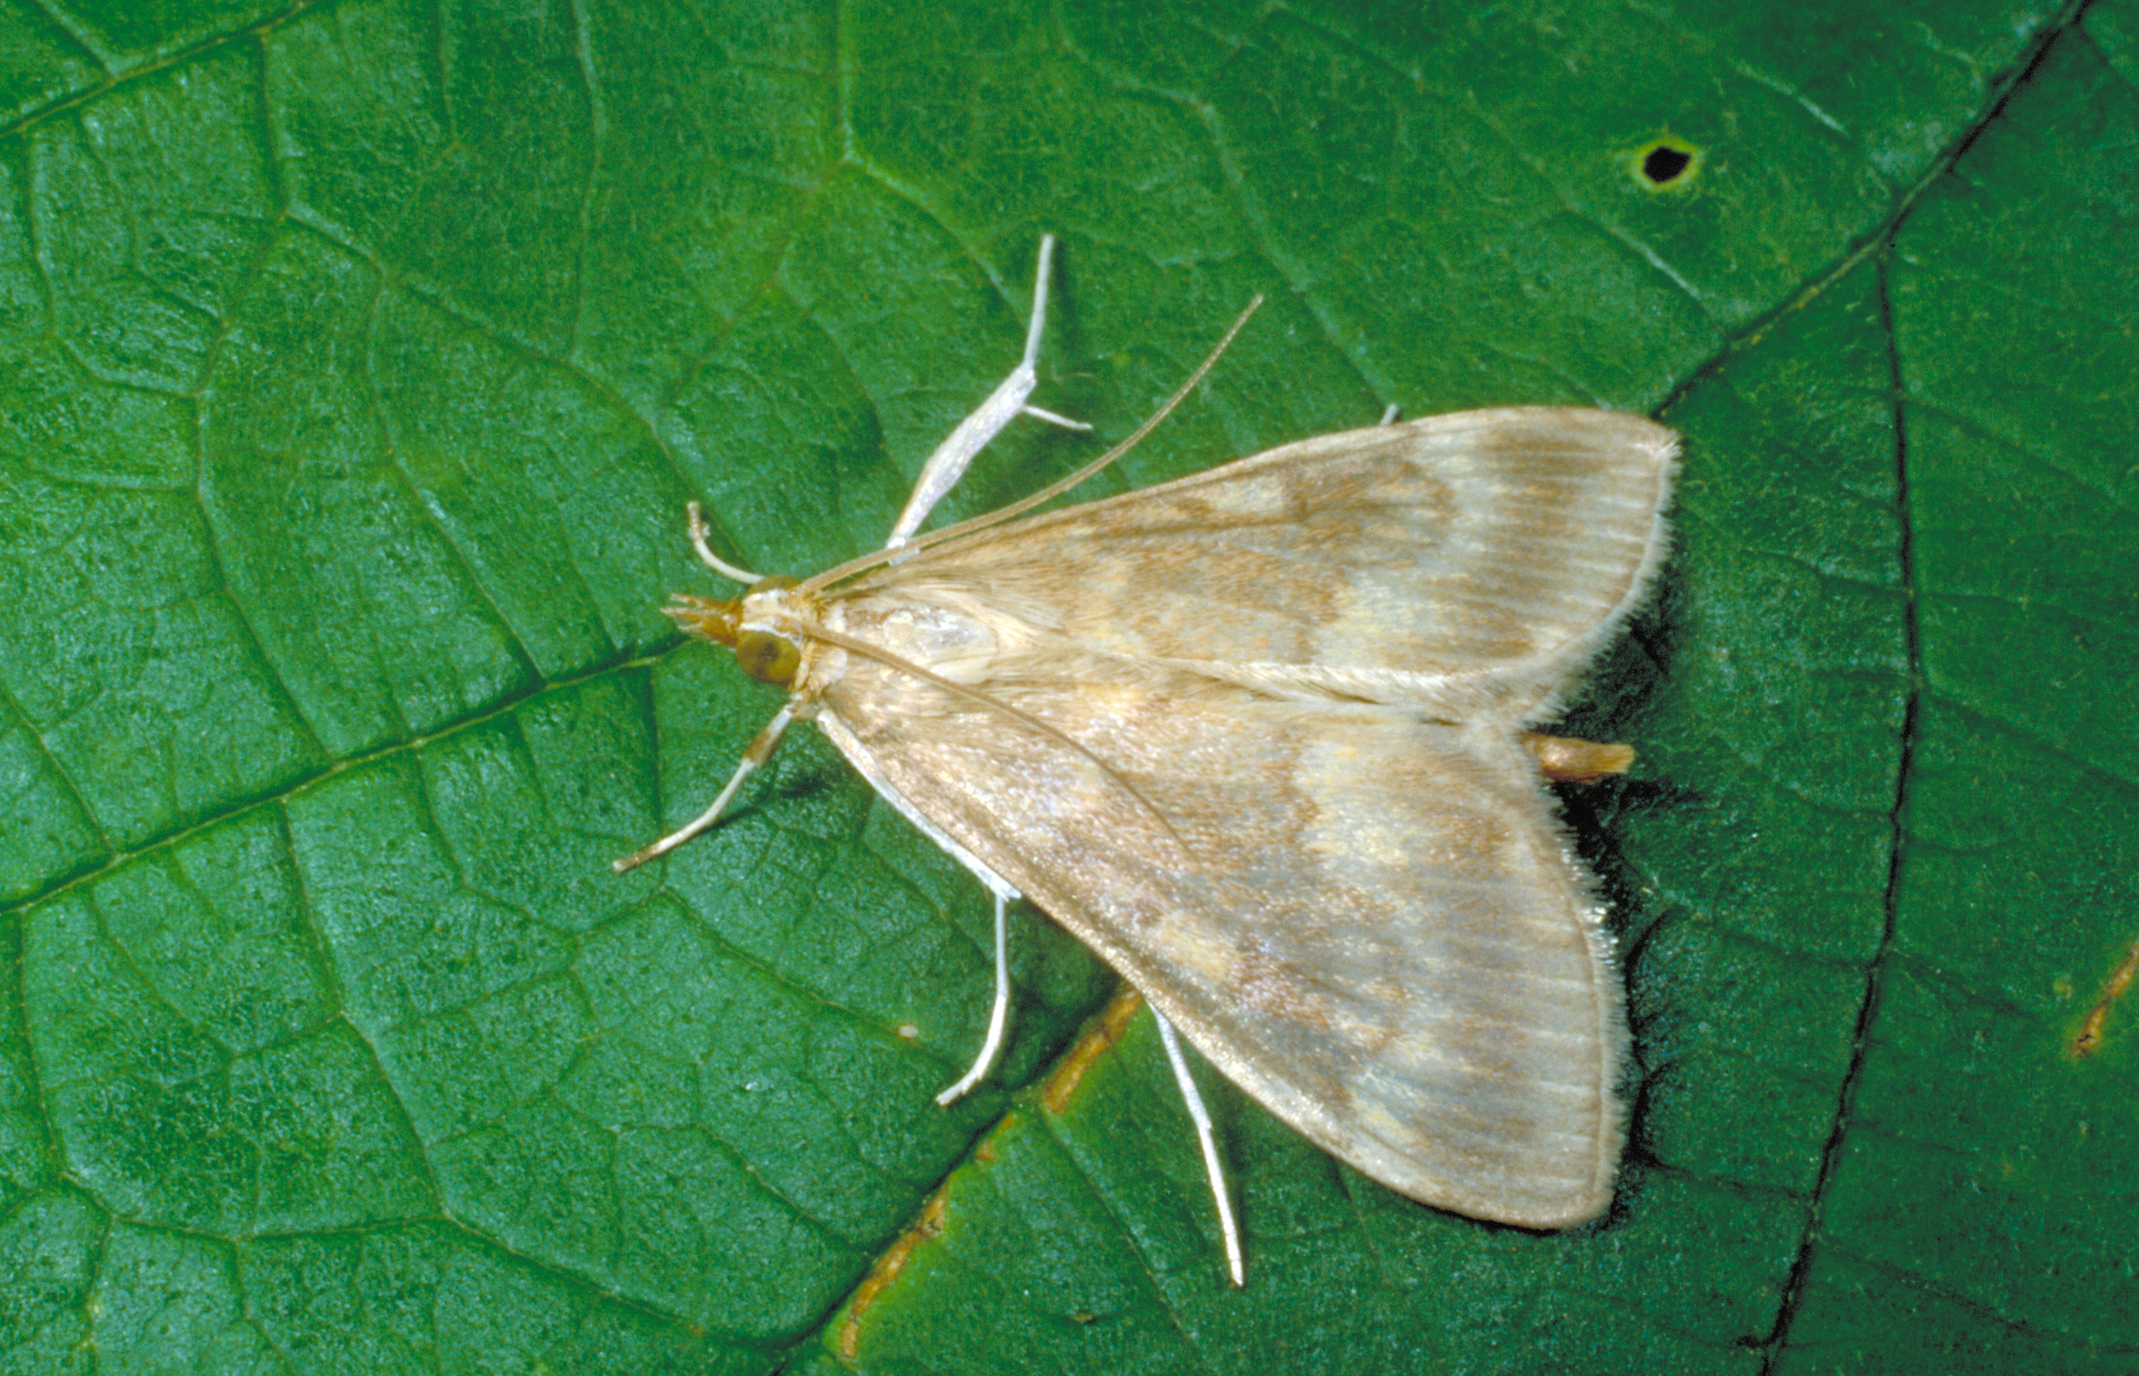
(1106, 1029)
(886, 1270)
(2089, 1038)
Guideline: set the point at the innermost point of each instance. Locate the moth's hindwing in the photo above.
(1368, 923)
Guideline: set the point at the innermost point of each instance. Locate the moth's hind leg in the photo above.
(1212, 1166)
(1005, 404)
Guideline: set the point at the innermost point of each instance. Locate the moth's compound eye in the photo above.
(768, 658)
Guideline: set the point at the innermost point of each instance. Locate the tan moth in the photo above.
(1260, 738)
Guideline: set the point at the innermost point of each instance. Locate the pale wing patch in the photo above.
(1368, 922)
(1460, 563)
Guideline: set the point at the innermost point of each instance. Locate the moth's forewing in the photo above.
(1473, 561)
(1296, 813)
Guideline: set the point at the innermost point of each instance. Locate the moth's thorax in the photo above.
(777, 610)
(956, 642)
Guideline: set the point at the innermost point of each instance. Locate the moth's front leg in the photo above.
(756, 753)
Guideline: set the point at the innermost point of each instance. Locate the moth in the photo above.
(1260, 738)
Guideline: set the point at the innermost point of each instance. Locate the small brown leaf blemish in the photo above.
(1105, 1031)
(2089, 1038)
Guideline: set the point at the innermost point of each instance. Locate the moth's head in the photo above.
(705, 617)
(764, 655)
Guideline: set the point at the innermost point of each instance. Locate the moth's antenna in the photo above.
(1055, 489)
(1017, 714)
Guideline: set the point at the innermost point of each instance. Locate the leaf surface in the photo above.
(356, 362)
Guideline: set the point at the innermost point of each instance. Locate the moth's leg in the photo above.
(756, 753)
(699, 531)
(1389, 414)
(1005, 404)
(1202, 1119)
(994, 1041)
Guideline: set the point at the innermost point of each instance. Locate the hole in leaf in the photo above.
(1667, 163)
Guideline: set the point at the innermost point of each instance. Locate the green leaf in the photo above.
(356, 362)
